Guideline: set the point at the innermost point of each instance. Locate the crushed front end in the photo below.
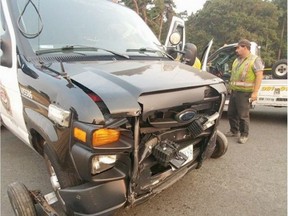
(173, 139)
(173, 134)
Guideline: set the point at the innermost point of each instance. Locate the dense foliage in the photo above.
(262, 21)
(227, 21)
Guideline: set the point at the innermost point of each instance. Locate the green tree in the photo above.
(281, 45)
(156, 13)
(227, 21)
(262, 21)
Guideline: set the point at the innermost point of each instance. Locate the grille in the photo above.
(168, 118)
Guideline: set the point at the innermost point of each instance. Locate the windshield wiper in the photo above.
(79, 48)
(147, 50)
(143, 50)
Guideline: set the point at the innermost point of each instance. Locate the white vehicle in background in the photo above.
(273, 92)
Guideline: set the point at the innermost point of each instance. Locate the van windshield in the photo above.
(52, 24)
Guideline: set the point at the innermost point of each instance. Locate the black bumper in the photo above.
(95, 199)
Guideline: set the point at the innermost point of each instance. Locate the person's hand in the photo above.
(254, 96)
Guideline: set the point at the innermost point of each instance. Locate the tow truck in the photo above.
(273, 90)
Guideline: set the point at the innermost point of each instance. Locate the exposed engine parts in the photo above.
(165, 146)
(201, 123)
(168, 152)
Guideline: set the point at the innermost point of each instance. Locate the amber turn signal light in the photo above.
(105, 136)
(80, 134)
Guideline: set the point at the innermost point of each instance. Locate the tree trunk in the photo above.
(160, 27)
(136, 6)
(281, 39)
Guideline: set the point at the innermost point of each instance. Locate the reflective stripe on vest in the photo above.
(243, 77)
(244, 84)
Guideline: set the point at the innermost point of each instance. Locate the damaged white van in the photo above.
(88, 86)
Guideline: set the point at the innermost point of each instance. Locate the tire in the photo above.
(59, 178)
(279, 69)
(64, 178)
(20, 199)
(221, 145)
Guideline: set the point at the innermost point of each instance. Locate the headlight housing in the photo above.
(102, 163)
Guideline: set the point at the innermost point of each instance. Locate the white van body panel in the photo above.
(11, 106)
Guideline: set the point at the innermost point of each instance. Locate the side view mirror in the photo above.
(190, 54)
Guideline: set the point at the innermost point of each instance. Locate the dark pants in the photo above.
(238, 112)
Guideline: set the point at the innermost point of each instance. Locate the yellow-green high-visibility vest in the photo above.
(243, 76)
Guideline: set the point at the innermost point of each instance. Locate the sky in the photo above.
(189, 5)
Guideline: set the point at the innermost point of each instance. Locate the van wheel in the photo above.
(279, 69)
(59, 178)
(20, 199)
(221, 145)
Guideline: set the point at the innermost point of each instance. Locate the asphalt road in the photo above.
(249, 180)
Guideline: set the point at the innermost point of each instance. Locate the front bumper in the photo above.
(133, 179)
(104, 193)
(95, 199)
(110, 191)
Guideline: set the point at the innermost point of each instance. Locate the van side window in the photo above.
(5, 42)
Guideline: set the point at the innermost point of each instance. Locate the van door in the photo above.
(220, 62)
(205, 55)
(11, 106)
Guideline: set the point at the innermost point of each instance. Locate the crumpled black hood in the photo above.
(120, 83)
(144, 76)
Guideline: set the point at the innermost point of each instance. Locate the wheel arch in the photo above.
(37, 141)
(40, 129)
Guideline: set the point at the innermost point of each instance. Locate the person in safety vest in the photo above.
(197, 63)
(245, 81)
